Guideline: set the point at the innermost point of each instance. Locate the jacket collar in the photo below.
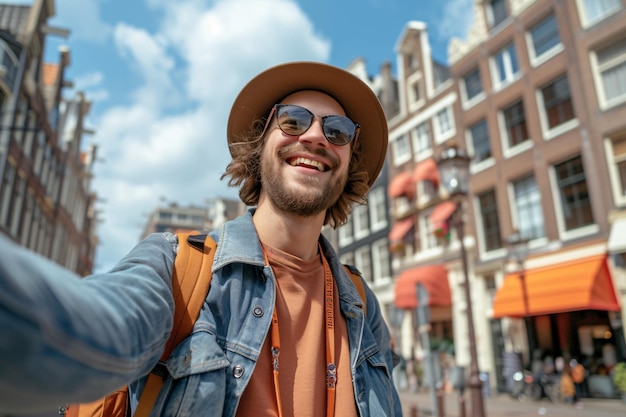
(238, 242)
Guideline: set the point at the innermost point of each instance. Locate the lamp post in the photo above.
(518, 247)
(453, 166)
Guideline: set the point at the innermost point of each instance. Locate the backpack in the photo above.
(191, 280)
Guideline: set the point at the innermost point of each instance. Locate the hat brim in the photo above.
(357, 99)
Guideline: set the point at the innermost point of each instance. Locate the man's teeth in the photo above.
(305, 161)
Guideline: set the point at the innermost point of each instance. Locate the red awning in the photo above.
(426, 170)
(581, 284)
(402, 185)
(441, 214)
(401, 228)
(433, 277)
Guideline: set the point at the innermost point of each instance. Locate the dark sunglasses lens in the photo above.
(294, 120)
(339, 130)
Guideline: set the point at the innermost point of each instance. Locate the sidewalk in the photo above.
(502, 405)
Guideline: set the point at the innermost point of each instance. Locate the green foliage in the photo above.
(619, 376)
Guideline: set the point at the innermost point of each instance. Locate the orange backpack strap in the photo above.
(355, 275)
(191, 280)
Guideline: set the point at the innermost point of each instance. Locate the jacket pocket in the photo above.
(197, 377)
(198, 353)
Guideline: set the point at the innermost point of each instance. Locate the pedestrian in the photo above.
(567, 385)
(578, 378)
(307, 141)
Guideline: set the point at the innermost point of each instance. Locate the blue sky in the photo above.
(162, 75)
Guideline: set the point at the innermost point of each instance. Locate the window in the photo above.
(611, 64)
(557, 102)
(473, 85)
(381, 259)
(345, 233)
(528, 208)
(378, 208)
(361, 221)
(490, 220)
(593, 11)
(545, 37)
(347, 259)
(427, 234)
(496, 12)
(506, 66)
(415, 91)
(618, 150)
(363, 262)
(401, 150)
(479, 134)
(515, 124)
(421, 138)
(445, 126)
(6, 192)
(18, 200)
(575, 200)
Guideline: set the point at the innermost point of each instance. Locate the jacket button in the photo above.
(258, 312)
(238, 371)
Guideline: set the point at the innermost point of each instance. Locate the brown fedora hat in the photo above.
(357, 99)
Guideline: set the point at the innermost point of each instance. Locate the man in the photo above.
(307, 141)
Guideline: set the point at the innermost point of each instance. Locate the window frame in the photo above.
(527, 208)
(360, 215)
(485, 217)
(417, 137)
(514, 123)
(617, 175)
(538, 59)
(399, 156)
(549, 132)
(491, 15)
(378, 208)
(586, 22)
(479, 95)
(598, 69)
(510, 66)
(381, 270)
(440, 135)
(472, 141)
(565, 232)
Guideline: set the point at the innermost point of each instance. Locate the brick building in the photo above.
(46, 203)
(537, 96)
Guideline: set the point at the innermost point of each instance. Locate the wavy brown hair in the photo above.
(245, 172)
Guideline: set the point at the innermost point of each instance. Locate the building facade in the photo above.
(537, 97)
(363, 240)
(46, 203)
(174, 218)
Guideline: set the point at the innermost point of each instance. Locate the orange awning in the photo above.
(401, 228)
(433, 277)
(581, 284)
(441, 213)
(402, 185)
(426, 170)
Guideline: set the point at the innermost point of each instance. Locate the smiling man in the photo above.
(283, 331)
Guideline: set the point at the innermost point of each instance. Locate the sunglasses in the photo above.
(295, 120)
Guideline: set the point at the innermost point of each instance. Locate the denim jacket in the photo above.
(116, 330)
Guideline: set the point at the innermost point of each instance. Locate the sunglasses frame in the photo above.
(276, 108)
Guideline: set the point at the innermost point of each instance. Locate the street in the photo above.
(502, 405)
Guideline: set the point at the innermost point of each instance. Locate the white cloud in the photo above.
(83, 18)
(170, 139)
(457, 18)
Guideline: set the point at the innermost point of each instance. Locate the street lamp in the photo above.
(518, 248)
(453, 166)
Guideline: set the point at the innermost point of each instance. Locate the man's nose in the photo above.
(315, 134)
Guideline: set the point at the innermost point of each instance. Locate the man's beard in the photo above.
(306, 203)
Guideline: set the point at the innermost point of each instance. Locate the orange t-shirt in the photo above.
(302, 360)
